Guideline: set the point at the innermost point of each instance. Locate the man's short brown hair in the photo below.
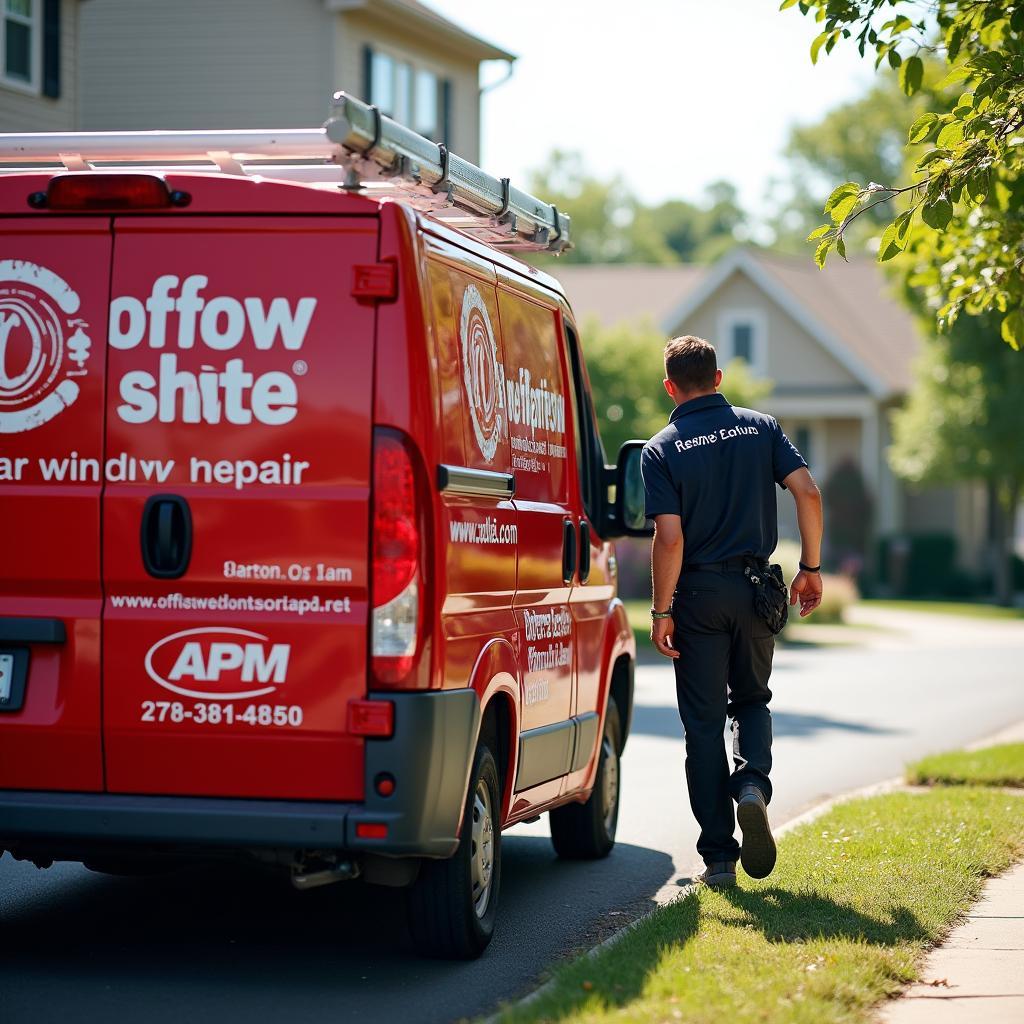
(690, 363)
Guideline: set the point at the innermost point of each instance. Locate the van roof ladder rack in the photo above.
(358, 148)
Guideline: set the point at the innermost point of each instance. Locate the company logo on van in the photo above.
(43, 346)
(218, 663)
(482, 375)
(179, 314)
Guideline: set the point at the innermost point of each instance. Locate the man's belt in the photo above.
(728, 565)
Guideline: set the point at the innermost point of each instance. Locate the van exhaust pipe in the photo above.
(343, 871)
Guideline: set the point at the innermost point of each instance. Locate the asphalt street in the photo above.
(209, 944)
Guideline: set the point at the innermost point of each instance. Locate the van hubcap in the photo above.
(610, 785)
(482, 852)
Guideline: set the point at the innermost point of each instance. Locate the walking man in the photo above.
(709, 483)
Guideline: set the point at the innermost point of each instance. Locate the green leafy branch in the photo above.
(960, 229)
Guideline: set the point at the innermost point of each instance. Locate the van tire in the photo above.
(587, 831)
(443, 916)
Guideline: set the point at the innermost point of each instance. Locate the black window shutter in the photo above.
(446, 111)
(51, 48)
(368, 74)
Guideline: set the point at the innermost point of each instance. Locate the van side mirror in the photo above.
(627, 512)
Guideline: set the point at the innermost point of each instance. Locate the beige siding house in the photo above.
(837, 346)
(275, 63)
(150, 64)
(38, 65)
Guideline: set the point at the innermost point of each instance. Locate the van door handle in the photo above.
(166, 536)
(584, 551)
(568, 550)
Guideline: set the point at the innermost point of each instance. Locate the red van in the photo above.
(305, 520)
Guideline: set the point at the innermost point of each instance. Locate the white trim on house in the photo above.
(741, 260)
(758, 322)
(34, 86)
(812, 406)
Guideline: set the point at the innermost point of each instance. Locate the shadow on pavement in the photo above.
(224, 943)
(663, 720)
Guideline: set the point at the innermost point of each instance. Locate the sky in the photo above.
(669, 94)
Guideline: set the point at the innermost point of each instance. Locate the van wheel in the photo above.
(453, 903)
(587, 831)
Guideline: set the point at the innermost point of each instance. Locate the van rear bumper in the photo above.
(429, 755)
(177, 820)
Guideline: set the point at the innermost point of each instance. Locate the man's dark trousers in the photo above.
(725, 660)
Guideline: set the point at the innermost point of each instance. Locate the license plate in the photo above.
(13, 676)
(6, 677)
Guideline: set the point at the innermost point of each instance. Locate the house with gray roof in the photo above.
(838, 347)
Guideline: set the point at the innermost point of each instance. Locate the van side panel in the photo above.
(478, 530)
(241, 371)
(537, 400)
(54, 281)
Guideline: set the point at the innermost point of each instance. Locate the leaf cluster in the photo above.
(961, 230)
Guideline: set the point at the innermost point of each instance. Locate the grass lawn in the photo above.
(858, 894)
(991, 766)
(977, 611)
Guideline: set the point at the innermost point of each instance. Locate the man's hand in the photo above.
(661, 637)
(806, 588)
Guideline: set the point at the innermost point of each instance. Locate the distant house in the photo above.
(146, 64)
(838, 347)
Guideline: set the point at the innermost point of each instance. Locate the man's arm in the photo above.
(806, 586)
(666, 563)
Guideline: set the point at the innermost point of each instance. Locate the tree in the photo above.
(611, 225)
(962, 229)
(962, 422)
(626, 367)
(862, 140)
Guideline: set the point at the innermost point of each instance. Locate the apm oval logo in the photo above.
(231, 664)
(43, 345)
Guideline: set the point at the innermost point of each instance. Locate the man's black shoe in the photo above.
(757, 853)
(719, 874)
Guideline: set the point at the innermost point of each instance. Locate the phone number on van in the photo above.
(280, 715)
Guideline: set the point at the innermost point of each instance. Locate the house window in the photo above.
(743, 342)
(411, 95)
(19, 42)
(742, 334)
(802, 440)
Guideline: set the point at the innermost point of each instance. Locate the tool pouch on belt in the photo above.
(771, 601)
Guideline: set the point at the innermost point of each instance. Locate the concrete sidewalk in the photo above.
(977, 974)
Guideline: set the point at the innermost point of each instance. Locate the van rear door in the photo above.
(236, 511)
(54, 281)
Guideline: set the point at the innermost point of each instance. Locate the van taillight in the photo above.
(102, 191)
(396, 540)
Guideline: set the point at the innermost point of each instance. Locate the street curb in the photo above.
(823, 807)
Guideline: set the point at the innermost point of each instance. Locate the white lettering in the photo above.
(265, 325)
(227, 337)
(230, 394)
(129, 337)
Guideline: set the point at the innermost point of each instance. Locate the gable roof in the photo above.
(614, 292)
(422, 18)
(848, 307)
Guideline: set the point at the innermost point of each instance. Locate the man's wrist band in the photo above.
(809, 568)
(660, 615)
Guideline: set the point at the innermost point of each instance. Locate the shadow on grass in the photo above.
(780, 915)
(785, 916)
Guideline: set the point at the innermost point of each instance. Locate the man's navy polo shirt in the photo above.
(716, 467)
